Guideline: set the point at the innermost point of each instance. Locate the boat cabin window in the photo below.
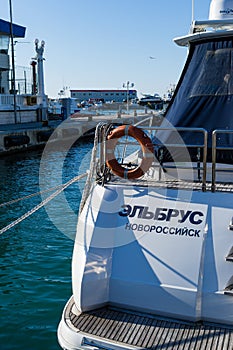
(214, 74)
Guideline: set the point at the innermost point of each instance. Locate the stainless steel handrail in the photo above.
(200, 145)
(203, 145)
(215, 148)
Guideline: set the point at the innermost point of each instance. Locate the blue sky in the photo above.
(100, 44)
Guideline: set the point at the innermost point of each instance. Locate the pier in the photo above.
(27, 136)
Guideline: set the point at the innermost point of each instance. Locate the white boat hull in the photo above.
(174, 266)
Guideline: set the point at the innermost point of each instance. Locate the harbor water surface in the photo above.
(36, 253)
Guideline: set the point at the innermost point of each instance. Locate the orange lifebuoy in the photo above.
(146, 146)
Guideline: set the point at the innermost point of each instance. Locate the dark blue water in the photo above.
(35, 254)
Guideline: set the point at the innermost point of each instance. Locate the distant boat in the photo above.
(150, 100)
(62, 108)
(54, 108)
(152, 264)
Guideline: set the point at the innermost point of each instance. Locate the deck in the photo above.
(143, 331)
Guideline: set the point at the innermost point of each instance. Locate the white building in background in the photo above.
(104, 95)
(20, 105)
(17, 32)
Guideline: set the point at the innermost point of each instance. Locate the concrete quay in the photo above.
(27, 136)
(23, 137)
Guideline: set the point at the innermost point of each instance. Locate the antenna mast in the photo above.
(192, 11)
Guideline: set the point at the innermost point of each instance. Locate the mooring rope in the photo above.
(45, 201)
(93, 164)
(13, 201)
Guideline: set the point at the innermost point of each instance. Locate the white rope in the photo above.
(40, 205)
(29, 196)
(87, 187)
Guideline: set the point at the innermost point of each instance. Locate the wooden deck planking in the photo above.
(151, 332)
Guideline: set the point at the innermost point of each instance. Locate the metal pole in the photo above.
(34, 86)
(13, 62)
(41, 91)
(25, 82)
(214, 143)
(192, 11)
(127, 85)
(127, 97)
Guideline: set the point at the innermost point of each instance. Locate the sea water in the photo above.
(36, 253)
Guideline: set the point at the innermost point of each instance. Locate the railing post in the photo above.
(213, 160)
(204, 161)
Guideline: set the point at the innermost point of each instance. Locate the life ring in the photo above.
(146, 146)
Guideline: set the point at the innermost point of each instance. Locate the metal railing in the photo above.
(215, 149)
(181, 144)
(201, 147)
(7, 100)
(202, 154)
